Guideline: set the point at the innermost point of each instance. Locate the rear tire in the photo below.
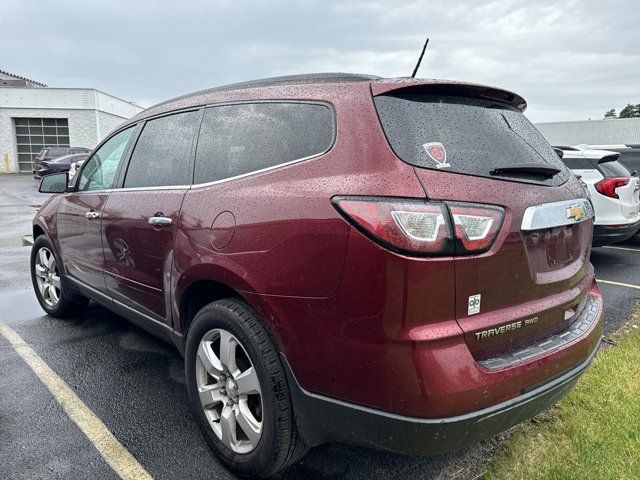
(55, 296)
(273, 442)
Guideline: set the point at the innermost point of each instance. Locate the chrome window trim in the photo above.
(207, 184)
(201, 185)
(132, 189)
(263, 170)
(550, 215)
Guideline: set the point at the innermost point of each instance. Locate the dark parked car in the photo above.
(59, 164)
(47, 161)
(401, 264)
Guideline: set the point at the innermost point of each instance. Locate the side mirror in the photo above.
(559, 152)
(54, 183)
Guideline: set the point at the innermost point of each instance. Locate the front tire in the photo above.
(55, 297)
(239, 392)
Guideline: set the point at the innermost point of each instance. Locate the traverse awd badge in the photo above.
(474, 304)
(437, 153)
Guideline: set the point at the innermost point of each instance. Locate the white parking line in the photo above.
(623, 248)
(619, 284)
(113, 452)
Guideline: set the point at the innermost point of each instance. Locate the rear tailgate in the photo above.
(533, 280)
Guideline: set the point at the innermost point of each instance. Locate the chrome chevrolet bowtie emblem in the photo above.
(576, 212)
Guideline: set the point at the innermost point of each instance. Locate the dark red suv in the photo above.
(396, 263)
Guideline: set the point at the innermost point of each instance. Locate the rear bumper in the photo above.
(608, 234)
(40, 171)
(321, 419)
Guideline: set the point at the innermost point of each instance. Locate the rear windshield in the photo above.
(475, 136)
(614, 169)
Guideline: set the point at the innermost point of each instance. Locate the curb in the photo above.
(27, 240)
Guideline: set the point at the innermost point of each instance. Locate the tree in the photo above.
(630, 111)
(610, 113)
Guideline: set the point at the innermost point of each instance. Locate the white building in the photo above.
(33, 115)
(614, 131)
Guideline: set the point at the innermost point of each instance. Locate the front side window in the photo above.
(162, 155)
(244, 138)
(100, 170)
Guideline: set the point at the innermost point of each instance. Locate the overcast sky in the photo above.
(570, 59)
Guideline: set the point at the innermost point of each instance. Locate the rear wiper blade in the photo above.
(535, 168)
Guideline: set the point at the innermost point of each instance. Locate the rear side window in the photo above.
(162, 155)
(614, 169)
(244, 138)
(56, 152)
(478, 135)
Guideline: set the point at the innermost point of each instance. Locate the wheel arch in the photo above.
(37, 231)
(207, 283)
(199, 294)
(39, 228)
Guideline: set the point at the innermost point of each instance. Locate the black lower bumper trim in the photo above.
(321, 419)
(589, 313)
(608, 234)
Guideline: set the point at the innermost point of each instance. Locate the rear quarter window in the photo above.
(614, 169)
(478, 135)
(248, 137)
(57, 152)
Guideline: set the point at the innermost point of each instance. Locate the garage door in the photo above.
(33, 134)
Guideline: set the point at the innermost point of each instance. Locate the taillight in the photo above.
(422, 227)
(476, 226)
(607, 187)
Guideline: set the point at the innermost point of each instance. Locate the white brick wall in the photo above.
(617, 131)
(91, 114)
(107, 123)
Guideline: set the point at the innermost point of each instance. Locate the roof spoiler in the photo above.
(449, 87)
(609, 158)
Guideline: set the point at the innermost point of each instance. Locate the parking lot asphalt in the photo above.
(134, 383)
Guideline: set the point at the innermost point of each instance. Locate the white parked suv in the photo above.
(614, 190)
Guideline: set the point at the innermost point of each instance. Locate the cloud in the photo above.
(570, 60)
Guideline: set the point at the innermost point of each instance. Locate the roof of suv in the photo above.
(379, 86)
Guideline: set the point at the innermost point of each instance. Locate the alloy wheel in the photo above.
(47, 277)
(229, 390)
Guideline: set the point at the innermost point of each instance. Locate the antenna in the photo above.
(415, 70)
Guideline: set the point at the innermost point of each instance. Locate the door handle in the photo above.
(92, 215)
(159, 221)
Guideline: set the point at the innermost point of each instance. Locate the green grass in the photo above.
(594, 433)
